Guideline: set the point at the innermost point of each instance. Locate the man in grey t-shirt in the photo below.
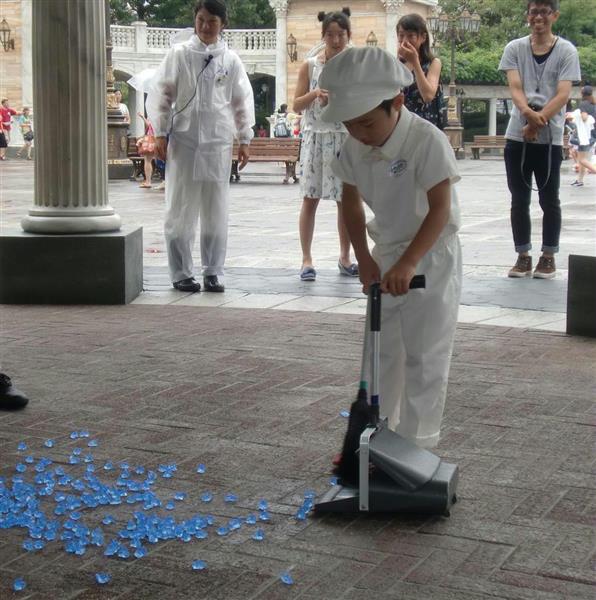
(540, 70)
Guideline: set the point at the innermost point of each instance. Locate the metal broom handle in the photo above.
(417, 282)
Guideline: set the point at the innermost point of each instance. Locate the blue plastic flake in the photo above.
(206, 496)
(88, 458)
(49, 443)
(310, 494)
(234, 524)
(84, 433)
(76, 451)
(201, 534)
(201, 468)
(22, 446)
(123, 552)
(170, 505)
(263, 505)
(264, 516)
(74, 435)
(300, 515)
(179, 496)
(333, 481)
(93, 443)
(102, 578)
(139, 470)
(140, 552)
(108, 520)
(258, 535)
(29, 459)
(199, 565)
(21, 468)
(286, 578)
(19, 585)
(344, 413)
(230, 498)
(73, 460)
(222, 531)
(112, 548)
(251, 519)
(108, 466)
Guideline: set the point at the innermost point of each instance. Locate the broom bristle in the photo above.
(360, 417)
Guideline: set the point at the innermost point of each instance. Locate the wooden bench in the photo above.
(138, 162)
(286, 150)
(488, 142)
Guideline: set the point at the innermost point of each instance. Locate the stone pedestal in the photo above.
(69, 83)
(103, 268)
(581, 296)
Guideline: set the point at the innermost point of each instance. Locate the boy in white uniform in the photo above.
(403, 167)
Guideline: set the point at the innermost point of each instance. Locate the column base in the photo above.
(101, 268)
(64, 224)
(455, 133)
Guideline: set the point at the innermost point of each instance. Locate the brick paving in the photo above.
(256, 396)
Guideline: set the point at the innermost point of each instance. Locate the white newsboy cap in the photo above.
(358, 80)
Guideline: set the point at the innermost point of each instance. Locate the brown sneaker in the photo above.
(546, 268)
(522, 268)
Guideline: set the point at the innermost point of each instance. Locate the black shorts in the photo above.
(3, 143)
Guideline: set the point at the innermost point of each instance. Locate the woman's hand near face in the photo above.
(408, 52)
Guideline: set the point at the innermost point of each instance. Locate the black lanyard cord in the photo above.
(550, 159)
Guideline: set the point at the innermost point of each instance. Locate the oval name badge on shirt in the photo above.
(397, 167)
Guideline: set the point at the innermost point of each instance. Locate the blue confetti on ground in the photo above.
(286, 578)
(74, 495)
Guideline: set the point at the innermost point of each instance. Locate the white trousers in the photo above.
(187, 201)
(417, 332)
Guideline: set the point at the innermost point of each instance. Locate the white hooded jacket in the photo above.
(202, 97)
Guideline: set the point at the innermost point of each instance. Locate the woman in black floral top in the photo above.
(424, 97)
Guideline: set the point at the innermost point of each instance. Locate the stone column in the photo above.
(492, 117)
(69, 74)
(281, 66)
(393, 10)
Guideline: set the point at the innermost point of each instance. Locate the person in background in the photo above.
(202, 97)
(261, 132)
(146, 148)
(26, 125)
(6, 114)
(586, 137)
(3, 142)
(424, 97)
(123, 108)
(540, 69)
(321, 143)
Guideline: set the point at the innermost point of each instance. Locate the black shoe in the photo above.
(10, 397)
(187, 285)
(211, 284)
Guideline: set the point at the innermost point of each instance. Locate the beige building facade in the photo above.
(375, 18)
(16, 82)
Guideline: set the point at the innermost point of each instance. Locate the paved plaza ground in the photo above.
(254, 389)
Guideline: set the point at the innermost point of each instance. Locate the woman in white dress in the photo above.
(321, 143)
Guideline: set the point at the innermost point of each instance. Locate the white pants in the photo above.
(188, 200)
(417, 332)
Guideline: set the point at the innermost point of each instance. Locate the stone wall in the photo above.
(11, 61)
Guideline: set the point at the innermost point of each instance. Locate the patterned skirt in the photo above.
(317, 151)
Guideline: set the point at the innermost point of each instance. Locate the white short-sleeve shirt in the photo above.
(394, 179)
